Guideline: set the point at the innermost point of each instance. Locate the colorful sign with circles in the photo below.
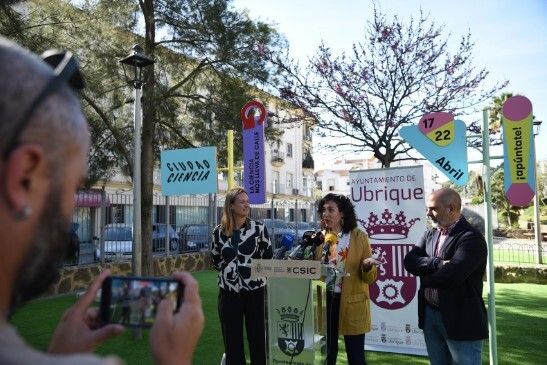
(519, 152)
(441, 140)
(254, 169)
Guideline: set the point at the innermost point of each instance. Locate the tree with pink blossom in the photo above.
(398, 72)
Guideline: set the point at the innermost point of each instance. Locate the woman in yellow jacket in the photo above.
(348, 304)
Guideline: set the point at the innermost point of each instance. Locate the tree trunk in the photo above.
(148, 127)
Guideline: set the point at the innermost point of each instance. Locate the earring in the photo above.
(23, 213)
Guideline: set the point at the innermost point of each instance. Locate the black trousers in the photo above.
(233, 309)
(355, 344)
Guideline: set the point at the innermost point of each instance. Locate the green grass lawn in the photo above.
(521, 327)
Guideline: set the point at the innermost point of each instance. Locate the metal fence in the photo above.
(103, 223)
(517, 251)
(103, 226)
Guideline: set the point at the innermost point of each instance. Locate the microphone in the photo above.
(297, 253)
(326, 253)
(310, 240)
(331, 240)
(279, 253)
(313, 239)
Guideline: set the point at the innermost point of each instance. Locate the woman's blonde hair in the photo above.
(228, 222)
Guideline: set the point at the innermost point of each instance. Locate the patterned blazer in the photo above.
(232, 256)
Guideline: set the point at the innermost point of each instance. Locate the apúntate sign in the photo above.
(519, 151)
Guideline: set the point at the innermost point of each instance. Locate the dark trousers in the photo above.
(233, 308)
(355, 344)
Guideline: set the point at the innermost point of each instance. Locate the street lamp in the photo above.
(132, 70)
(537, 225)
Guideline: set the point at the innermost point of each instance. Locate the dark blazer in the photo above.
(459, 282)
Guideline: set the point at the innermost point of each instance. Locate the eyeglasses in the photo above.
(66, 70)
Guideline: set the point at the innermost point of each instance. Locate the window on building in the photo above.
(289, 149)
(330, 184)
(289, 181)
(275, 182)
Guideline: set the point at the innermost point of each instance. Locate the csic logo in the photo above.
(302, 270)
(395, 287)
(290, 333)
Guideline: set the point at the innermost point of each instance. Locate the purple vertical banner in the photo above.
(254, 168)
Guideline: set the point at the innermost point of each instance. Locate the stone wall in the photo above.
(521, 274)
(78, 278)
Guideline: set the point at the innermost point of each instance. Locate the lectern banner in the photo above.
(390, 208)
(291, 322)
(296, 269)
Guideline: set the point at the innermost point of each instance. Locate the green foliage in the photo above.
(509, 214)
(476, 200)
(205, 48)
(494, 124)
(471, 191)
(200, 48)
(98, 45)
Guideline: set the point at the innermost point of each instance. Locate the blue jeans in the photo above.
(444, 351)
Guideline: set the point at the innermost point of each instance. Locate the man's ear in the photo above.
(24, 171)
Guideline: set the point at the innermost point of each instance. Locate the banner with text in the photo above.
(442, 140)
(390, 208)
(254, 169)
(519, 160)
(189, 171)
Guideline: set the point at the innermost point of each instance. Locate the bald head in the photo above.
(444, 207)
(449, 197)
(57, 124)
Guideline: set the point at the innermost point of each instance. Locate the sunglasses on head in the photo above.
(66, 71)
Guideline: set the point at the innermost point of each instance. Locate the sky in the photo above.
(510, 37)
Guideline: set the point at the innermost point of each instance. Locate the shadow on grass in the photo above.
(521, 323)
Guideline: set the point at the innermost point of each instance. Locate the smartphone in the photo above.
(133, 301)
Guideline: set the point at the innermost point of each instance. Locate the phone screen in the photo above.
(133, 301)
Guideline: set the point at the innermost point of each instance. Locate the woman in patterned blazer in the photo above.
(236, 241)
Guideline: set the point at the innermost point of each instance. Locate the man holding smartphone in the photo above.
(44, 142)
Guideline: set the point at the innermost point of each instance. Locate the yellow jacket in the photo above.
(355, 299)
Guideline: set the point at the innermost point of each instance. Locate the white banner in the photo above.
(390, 208)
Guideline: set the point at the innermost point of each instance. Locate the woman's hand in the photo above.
(369, 262)
(79, 329)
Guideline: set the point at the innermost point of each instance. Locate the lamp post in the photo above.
(132, 70)
(537, 226)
